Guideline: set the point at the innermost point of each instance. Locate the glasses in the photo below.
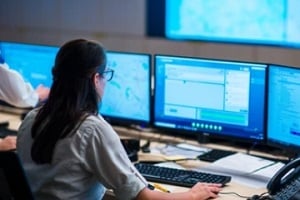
(107, 74)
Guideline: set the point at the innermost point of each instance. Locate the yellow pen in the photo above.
(160, 187)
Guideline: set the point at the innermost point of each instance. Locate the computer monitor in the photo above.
(217, 98)
(127, 96)
(283, 124)
(33, 61)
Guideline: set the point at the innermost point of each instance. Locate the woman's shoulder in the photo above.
(95, 120)
(96, 123)
(31, 114)
(27, 123)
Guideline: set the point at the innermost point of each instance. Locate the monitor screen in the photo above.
(217, 98)
(33, 61)
(246, 22)
(283, 124)
(127, 96)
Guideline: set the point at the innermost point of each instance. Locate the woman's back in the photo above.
(78, 167)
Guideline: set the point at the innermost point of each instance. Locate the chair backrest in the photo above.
(13, 181)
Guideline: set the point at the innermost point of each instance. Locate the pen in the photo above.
(160, 187)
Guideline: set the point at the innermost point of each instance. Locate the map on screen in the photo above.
(127, 95)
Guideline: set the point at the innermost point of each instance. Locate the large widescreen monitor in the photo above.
(127, 98)
(33, 61)
(283, 124)
(218, 98)
(264, 22)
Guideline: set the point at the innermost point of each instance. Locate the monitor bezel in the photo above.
(131, 122)
(204, 136)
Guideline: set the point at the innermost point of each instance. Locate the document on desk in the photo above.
(243, 163)
(180, 151)
(246, 169)
(270, 170)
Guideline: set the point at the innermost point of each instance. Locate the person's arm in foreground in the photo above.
(17, 92)
(200, 191)
(8, 143)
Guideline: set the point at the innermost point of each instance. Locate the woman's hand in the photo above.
(202, 191)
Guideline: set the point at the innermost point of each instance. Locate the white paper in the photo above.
(245, 169)
(270, 170)
(243, 163)
(183, 150)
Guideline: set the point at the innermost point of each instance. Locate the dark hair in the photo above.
(72, 96)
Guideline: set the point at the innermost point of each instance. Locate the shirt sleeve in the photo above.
(107, 157)
(15, 90)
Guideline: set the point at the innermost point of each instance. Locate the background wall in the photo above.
(119, 25)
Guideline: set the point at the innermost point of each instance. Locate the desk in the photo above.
(15, 121)
(162, 139)
(230, 187)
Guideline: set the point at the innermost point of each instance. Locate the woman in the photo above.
(69, 151)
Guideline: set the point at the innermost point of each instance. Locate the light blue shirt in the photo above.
(83, 165)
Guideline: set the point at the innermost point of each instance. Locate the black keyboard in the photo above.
(179, 177)
(215, 154)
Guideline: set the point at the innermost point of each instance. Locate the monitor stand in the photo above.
(203, 138)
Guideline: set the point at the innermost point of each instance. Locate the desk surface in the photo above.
(229, 189)
(13, 119)
(232, 187)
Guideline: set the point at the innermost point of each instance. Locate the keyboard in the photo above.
(179, 177)
(215, 154)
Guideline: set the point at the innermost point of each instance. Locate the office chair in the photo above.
(13, 181)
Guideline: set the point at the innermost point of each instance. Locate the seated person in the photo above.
(69, 151)
(15, 91)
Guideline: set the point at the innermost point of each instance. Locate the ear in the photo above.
(96, 79)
